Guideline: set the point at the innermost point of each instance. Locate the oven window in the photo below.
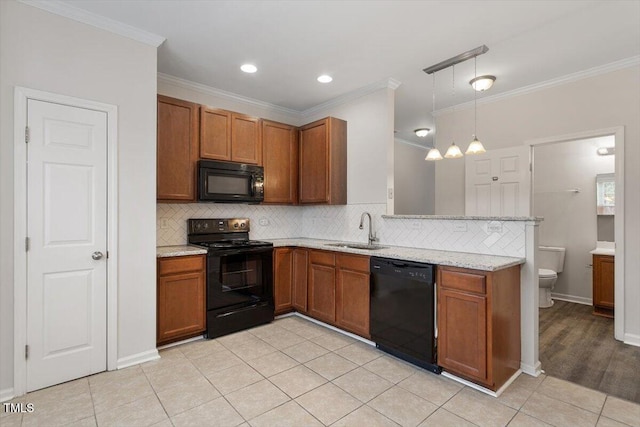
(228, 184)
(240, 272)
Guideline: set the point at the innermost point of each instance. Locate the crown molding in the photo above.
(569, 78)
(187, 84)
(389, 83)
(89, 18)
(404, 141)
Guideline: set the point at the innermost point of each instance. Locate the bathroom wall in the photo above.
(570, 219)
(606, 229)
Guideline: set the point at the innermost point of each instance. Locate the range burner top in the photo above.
(224, 233)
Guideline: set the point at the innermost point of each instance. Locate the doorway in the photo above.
(65, 228)
(564, 192)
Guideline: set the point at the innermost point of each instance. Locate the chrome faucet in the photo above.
(372, 236)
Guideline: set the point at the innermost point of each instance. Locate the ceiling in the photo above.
(361, 43)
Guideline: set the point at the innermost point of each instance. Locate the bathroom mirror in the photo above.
(605, 194)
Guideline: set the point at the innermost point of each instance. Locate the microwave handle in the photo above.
(252, 184)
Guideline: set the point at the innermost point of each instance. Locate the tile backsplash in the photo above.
(341, 223)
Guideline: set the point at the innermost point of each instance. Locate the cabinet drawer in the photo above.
(354, 262)
(469, 282)
(180, 264)
(321, 257)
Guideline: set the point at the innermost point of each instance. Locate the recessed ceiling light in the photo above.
(249, 68)
(325, 78)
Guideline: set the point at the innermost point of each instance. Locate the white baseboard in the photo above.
(136, 359)
(632, 339)
(173, 344)
(533, 370)
(572, 298)
(333, 328)
(6, 394)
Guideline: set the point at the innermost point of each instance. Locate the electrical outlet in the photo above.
(460, 226)
(164, 224)
(264, 222)
(494, 227)
(416, 225)
(390, 193)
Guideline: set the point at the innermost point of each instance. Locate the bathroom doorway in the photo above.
(576, 345)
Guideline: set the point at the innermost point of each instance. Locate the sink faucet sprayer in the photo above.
(372, 236)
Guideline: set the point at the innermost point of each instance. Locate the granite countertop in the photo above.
(432, 256)
(464, 218)
(181, 250)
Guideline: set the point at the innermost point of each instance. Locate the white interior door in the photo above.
(67, 229)
(498, 183)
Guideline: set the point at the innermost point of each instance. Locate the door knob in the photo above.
(97, 255)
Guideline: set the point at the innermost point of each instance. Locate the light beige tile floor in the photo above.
(293, 372)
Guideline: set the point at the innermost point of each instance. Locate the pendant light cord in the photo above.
(453, 93)
(475, 99)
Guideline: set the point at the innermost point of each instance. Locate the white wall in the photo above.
(414, 180)
(599, 102)
(570, 219)
(370, 144)
(43, 51)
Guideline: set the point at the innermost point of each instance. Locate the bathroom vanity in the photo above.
(603, 280)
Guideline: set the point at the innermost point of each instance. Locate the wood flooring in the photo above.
(579, 347)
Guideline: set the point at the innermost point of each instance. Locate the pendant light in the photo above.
(475, 147)
(453, 152)
(434, 153)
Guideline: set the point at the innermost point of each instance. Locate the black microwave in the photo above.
(230, 182)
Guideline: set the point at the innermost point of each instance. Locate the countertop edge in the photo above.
(178, 250)
(432, 256)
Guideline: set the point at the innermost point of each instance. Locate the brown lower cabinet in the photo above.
(352, 294)
(181, 298)
(603, 285)
(329, 286)
(479, 323)
(290, 280)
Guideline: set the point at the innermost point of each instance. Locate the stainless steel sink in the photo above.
(357, 246)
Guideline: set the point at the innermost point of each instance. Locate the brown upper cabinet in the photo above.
(280, 161)
(323, 162)
(177, 155)
(229, 136)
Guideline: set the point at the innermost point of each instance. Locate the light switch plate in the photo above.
(264, 222)
(164, 223)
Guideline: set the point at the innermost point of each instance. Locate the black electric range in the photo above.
(239, 274)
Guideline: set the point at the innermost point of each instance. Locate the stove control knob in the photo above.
(198, 226)
(235, 225)
(243, 225)
(205, 225)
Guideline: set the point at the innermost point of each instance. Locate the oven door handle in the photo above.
(227, 252)
(229, 313)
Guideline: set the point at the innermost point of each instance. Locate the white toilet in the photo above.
(550, 263)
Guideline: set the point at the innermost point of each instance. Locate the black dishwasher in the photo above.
(403, 310)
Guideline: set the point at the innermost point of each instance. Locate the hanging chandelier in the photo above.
(479, 84)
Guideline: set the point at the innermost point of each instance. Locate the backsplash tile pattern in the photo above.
(283, 221)
(341, 223)
(456, 235)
